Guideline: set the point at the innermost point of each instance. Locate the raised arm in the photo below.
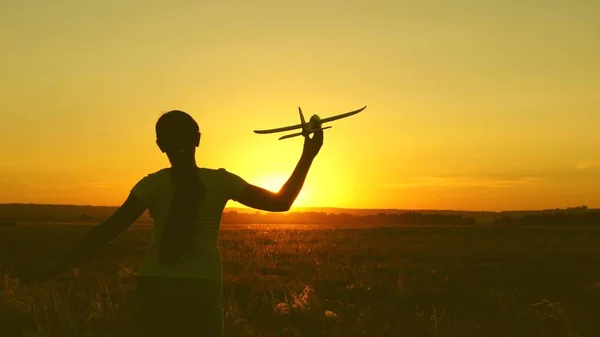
(260, 198)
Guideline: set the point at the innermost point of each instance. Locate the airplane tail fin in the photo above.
(302, 121)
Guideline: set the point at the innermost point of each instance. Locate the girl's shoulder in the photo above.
(219, 171)
(216, 175)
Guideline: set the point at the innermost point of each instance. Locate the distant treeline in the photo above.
(70, 213)
(44, 212)
(408, 218)
(10, 214)
(590, 218)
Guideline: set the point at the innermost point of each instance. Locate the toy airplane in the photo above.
(314, 124)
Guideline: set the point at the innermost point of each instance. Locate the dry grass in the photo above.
(323, 281)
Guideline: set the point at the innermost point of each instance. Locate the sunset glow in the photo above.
(485, 105)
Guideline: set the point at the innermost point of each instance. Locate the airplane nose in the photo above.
(315, 122)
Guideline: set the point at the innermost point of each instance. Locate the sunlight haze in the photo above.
(487, 105)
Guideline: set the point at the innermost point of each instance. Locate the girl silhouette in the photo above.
(180, 280)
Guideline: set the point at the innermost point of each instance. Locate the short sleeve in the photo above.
(236, 185)
(143, 189)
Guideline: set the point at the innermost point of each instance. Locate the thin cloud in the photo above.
(588, 165)
(99, 184)
(465, 182)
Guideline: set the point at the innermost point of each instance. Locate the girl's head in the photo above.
(178, 135)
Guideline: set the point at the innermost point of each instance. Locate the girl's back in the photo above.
(204, 262)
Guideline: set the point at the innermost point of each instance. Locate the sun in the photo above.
(275, 181)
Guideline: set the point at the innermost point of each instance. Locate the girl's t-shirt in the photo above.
(156, 191)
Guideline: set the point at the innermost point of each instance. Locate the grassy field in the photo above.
(323, 281)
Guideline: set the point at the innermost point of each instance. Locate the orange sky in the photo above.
(471, 104)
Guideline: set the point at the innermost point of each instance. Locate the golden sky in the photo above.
(486, 105)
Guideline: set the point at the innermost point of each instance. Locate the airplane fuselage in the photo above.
(314, 122)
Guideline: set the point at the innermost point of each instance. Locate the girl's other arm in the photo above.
(96, 239)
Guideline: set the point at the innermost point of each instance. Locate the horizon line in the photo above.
(340, 208)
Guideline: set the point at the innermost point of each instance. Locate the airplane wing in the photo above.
(332, 118)
(285, 128)
(299, 126)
